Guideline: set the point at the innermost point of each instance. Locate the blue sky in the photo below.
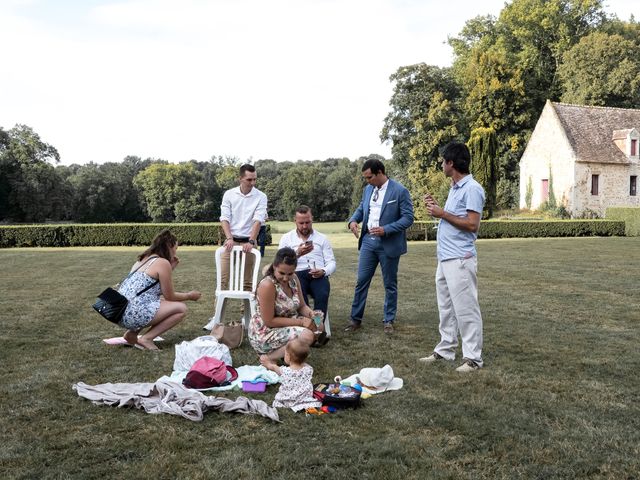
(280, 79)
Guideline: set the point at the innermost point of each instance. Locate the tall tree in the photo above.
(424, 113)
(172, 192)
(483, 148)
(507, 69)
(602, 69)
(30, 189)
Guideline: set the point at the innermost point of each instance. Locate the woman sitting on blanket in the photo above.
(282, 313)
(153, 269)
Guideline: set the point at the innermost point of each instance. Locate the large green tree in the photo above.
(173, 192)
(602, 69)
(508, 67)
(483, 147)
(425, 114)
(30, 188)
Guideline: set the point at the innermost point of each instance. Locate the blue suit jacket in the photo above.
(396, 216)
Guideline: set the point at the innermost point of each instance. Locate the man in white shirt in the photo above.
(315, 258)
(243, 210)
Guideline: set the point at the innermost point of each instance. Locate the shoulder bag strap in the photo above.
(134, 271)
(152, 257)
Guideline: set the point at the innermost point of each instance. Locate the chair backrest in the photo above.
(237, 262)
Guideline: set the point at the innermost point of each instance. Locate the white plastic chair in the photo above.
(236, 283)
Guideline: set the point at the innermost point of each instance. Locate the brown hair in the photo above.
(161, 245)
(285, 255)
(298, 350)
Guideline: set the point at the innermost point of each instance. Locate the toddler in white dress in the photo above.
(296, 389)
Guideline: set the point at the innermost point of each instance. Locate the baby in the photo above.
(296, 389)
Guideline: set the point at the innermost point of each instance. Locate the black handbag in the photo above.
(111, 304)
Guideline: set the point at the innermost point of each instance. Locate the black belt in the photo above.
(241, 239)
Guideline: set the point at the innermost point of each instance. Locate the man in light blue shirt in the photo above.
(456, 275)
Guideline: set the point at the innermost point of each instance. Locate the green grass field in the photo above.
(558, 397)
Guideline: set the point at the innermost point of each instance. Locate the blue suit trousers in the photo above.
(372, 253)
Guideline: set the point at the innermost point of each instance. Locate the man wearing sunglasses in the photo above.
(386, 211)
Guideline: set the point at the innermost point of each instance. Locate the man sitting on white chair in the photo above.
(243, 210)
(315, 258)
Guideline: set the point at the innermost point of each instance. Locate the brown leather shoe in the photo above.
(388, 328)
(352, 327)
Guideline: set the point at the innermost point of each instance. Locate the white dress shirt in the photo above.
(242, 211)
(321, 256)
(376, 207)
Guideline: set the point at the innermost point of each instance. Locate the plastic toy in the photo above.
(254, 386)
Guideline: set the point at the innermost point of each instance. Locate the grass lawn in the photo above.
(558, 397)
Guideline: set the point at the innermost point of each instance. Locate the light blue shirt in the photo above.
(465, 195)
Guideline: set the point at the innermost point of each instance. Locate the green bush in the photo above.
(630, 216)
(530, 228)
(422, 231)
(117, 234)
(551, 228)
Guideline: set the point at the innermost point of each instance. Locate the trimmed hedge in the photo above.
(529, 228)
(141, 234)
(116, 234)
(630, 216)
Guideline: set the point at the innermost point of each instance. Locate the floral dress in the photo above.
(264, 339)
(296, 389)
(142, 308)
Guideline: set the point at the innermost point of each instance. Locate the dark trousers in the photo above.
(318, 288)
(262, 239)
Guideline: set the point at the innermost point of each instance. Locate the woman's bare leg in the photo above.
(168, 316)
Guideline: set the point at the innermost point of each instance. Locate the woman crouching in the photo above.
(153, 272)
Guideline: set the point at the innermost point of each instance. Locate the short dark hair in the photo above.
(458, 153)
(303, 209)
(375, 165)
(247, 167)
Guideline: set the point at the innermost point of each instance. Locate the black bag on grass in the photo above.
(336, 395)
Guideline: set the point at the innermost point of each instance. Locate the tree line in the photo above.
(503, 71)
(136, 190)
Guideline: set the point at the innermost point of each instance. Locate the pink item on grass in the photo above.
(255, 386)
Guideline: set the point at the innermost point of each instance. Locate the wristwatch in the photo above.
(252, 242)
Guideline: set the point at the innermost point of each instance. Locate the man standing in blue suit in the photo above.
(386, 212)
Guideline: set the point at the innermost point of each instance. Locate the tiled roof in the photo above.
(590, 130)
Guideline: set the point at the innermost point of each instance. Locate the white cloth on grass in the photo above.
(188, 352)
(171, 398)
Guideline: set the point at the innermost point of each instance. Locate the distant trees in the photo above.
(136, 190)
(602, 69)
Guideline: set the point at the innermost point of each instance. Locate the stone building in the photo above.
(587, 156)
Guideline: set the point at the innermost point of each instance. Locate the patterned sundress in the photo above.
(264, 339)
(141, 309)
(296, 389)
